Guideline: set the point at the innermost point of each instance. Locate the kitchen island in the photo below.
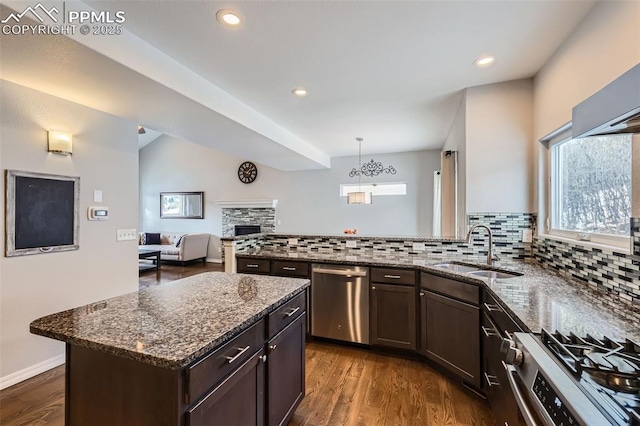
(208, 349)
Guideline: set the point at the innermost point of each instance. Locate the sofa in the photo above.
(178, 246)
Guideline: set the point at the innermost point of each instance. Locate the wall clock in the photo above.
(247, 172)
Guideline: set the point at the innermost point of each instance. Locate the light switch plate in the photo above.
(293, 241)
(352, 244)
(419, 247)
(126, 235)
(527, 236)
(97, 196)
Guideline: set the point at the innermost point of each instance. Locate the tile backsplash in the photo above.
(609, 270)
(506, 227)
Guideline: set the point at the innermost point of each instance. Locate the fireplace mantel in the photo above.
(248, 204)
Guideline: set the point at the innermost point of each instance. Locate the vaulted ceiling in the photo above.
(389, 71)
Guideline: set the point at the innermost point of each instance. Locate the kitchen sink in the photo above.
(493, 274)
(456, 267)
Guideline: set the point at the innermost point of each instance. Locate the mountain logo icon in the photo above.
(33, 11)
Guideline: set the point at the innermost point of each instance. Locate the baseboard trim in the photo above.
(210, 260)
(29, 372)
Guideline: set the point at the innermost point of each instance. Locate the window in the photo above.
(591, 189)
(394, 188)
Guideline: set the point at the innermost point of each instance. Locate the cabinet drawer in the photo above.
(393, 276)
(238, 400)
(495, 311)
(290, 269)
(254, 266)
(205, 373)
(463, 291)
(286, 314)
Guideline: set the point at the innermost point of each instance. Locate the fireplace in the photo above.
(246, 229)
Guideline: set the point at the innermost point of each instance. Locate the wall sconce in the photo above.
(60, 142)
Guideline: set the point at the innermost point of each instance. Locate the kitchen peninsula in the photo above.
(211, 346)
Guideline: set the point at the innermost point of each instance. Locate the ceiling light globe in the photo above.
(229, 17)
(299, 91)
(484, 61)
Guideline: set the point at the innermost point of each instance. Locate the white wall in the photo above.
(309, 201)
(457, 141)
(105, 157)
(603, 46)
(499, 148)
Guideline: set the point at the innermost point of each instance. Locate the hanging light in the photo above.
(359, 197)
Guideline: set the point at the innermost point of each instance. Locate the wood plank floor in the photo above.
(173, 271)
(345, 386)
(350, 386)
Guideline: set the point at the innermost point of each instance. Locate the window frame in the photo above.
(592, 239)
(364, 187)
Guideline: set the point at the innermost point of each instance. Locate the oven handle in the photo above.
(520, 398)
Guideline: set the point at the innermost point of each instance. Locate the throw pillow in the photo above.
(151, 239)
(179, 240)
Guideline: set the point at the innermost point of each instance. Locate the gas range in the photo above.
(562, 379)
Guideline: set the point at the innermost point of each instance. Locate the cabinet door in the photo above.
(285, 372)
(238, 400)
(453, 336)
(393, 316)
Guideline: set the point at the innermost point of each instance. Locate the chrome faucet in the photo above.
(490, 256)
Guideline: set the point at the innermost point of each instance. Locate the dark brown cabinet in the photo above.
(393, 316)
(254, 266)
(239, 399)
(496, 385)
(285, 372)
(450, 326)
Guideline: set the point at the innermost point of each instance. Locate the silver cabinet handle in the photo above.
(492, 308)
(393, 277)
(230, 359)
(422, 294)
(288, 268)
(491, 380)
(291, 312)
(489, 332)
(273, 347)
(252, 265)
(343, 272)
(373, 288)
(522, 403)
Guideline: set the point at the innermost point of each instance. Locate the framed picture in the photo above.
(41, 213)
(182, 205)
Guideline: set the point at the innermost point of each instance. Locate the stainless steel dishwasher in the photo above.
(340, 302)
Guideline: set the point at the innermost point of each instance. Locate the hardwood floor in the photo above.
(345, 386)
(170, 272)
(349, 386)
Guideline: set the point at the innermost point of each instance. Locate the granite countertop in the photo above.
(540, 298)
(174, 324)
(398, 238)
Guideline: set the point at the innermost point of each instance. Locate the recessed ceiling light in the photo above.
(484, 61)
(299, 91)
(229, 17)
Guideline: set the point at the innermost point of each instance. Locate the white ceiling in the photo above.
(389, 71)
(147, 137)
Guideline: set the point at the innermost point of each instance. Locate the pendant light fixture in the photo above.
(359, 197)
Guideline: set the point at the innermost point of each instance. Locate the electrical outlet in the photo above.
(219, 249)
(352, 244)
(293, 241)
(419, 247)
(527, 236)
(126, 235)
